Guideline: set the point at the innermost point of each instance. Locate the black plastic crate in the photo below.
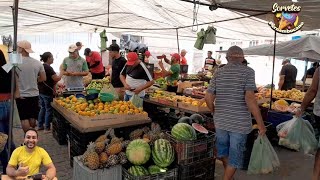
(252, 136)
(61, 138)
(192, 151)
(171, 174)
(124, 132)
(84, 138)
(200, 170)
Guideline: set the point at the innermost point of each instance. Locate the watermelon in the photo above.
(162, 153)
(199, 128)
(183, 132)
(138, 171)
(185, 120)
(138, 152)
(197, 118)
(154, 169)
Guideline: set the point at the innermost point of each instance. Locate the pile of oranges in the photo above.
(96, 107)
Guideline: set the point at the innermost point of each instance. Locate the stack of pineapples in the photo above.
(108, 150)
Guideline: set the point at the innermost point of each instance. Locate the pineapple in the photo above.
(125, 144)
(112, 160)
(114, 138)
(136, 134)
(100, 146)
(103, 158)
(145, 130)
(115, 148)
(91, 158)
(104, 137)
(122, 158)
(155, 127)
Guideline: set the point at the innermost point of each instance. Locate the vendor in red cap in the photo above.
(147, 54)
(173, 73)
(135, 77)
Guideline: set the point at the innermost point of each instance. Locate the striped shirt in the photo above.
(136, 76)
(229, 86)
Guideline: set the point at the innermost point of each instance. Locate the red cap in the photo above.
(176, 56)
(147, 53)
(132, 57)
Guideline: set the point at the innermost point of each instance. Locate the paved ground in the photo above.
(294, 165)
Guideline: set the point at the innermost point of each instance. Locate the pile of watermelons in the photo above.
(189, 128)
(139, 153)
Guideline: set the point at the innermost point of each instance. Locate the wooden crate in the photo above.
(168, 102)
(100, 122)
(81, 172)
(190, 107)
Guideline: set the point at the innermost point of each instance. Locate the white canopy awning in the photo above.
(304, 48)
(155, 18)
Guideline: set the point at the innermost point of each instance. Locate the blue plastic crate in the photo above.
(277, 118)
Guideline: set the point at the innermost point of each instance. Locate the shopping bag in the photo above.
(201, 36)
(109, 89)
(263, 158)
(210, 35)
(297, 134)
(136, 101)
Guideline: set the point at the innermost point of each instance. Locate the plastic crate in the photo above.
(252, 136)
(191, 151)
(84, 138)
(200, 170)
(81, 172)
(172, 174)
(277, 118)
(61, 139)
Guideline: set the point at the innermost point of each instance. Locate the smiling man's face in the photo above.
(31, 139)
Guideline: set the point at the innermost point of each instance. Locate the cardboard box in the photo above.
(100, 122)
(190, 107)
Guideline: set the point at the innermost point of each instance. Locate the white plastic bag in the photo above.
(297, 134)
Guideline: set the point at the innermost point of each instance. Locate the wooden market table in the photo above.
(6, 177)
(174, 107)
(99, 123)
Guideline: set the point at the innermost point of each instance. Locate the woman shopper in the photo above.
(46, 90)
(5, 96)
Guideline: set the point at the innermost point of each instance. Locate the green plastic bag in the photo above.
(201, 36)
(108, 88)
(137, 101)
(210, 35)
(297, 134)
(263, 158)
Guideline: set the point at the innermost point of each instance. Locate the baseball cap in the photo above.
(114, 47)
(87, 51)
(176, 56)
(147, 53)
(132, 57)
(79, 44)
(26, 45)
(72, 48)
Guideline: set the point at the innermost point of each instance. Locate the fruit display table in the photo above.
(150, 102)
(101, 122)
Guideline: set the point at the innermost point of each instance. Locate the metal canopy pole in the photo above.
(273, 62)
(108, 12)
(177, 30)
(305, 74)
(13, 71)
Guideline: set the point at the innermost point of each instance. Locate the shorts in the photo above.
(28, 107)
(231, 145)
